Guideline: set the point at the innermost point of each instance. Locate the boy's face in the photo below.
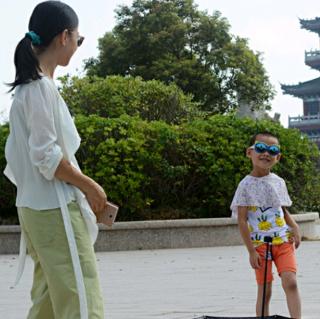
(264, 160)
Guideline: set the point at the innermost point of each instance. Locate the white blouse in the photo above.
(42, 132)
(34, 147)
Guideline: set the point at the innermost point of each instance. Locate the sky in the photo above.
(271, 26)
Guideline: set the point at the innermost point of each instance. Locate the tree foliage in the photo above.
(7, 189)
(115, 95)
(173, 41)
(155, 170)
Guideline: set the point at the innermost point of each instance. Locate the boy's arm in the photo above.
(245, 234)
(293, 225)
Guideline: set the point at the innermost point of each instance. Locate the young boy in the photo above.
(260, 205)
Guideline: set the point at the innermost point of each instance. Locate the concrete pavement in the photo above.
(176, 284)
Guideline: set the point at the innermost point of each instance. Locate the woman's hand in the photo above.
(95, 194)
(96, 197)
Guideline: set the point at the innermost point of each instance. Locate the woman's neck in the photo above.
(47, 64)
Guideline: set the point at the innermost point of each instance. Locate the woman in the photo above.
(55, 200)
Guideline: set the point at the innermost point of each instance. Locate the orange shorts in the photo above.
(282, 255)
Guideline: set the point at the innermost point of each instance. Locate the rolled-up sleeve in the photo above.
(44, 151)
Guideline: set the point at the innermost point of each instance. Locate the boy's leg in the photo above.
(285, 261)
(267, 299)
(289, 284)
(261, 250)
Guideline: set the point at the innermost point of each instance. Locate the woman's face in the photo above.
(69, 44)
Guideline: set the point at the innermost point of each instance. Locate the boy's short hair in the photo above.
(264, 133)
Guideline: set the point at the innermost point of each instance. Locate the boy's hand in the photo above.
(255, 260)
(296, 237)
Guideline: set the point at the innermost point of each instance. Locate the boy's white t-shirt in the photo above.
(265, 197)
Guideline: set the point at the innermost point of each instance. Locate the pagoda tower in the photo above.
(309, 91)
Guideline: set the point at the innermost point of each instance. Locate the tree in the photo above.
(156, 170)
(173, 41)
(7, 189)
(116, 95)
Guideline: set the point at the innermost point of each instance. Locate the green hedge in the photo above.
(7, 189)
(155, 170)
(116, 95)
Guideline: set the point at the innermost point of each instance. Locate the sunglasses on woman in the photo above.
(80, 40)
(261, 148)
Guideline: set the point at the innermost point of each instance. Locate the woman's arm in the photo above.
(293, 225)
(46, 154)
(93, 191)
(245, 234)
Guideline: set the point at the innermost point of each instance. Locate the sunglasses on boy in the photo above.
(261, 148)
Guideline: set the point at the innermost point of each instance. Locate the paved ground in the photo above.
(176, 284)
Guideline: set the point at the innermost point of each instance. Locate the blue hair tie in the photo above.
(35, 39)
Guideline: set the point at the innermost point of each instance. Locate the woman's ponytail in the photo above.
(26, 62)
(48, 19)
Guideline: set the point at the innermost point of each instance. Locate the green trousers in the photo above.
(54, 292)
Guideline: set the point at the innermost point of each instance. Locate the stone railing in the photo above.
(312, 54)
(301, 118)
(304, 120)
(312, 57)
(183, 233)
